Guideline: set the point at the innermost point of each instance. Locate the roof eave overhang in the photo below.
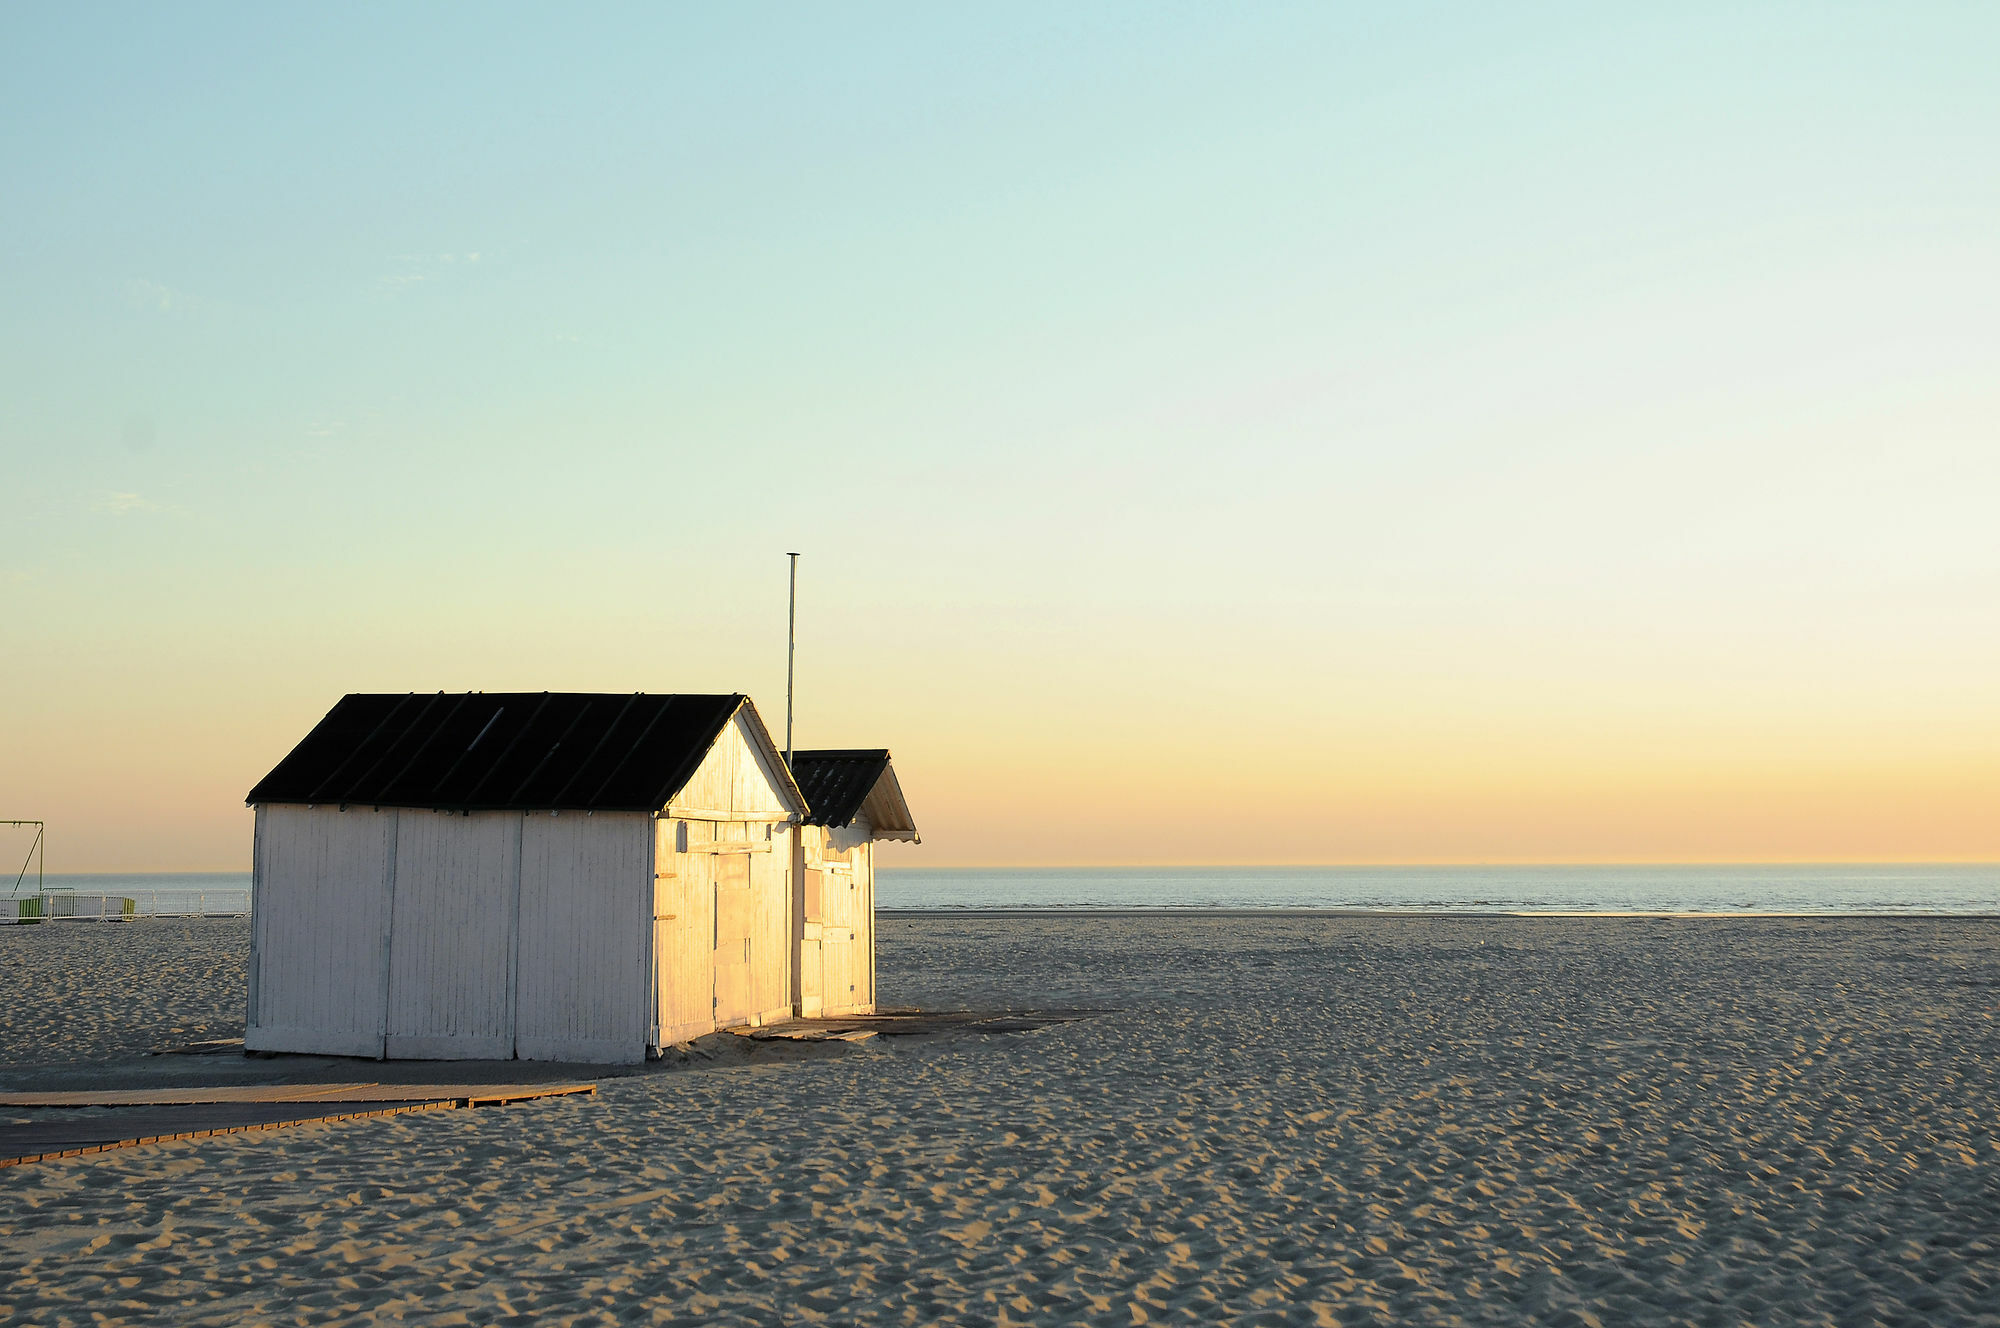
(888, 812)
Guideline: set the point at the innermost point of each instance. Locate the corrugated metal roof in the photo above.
(503, 751)
(836, 781)
(841, 783)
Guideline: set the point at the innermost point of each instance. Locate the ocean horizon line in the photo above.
(1523, 864)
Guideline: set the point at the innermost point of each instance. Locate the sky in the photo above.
(1213, 433)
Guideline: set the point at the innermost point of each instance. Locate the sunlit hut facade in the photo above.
(854, 800)
(548, 876)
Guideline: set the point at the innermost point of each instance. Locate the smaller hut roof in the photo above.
(511, 751)
(841, 784)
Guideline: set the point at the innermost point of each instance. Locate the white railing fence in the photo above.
(77, 905)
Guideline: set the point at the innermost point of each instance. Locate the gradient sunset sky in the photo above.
(1215, 433)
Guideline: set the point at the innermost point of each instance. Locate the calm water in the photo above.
(169, 893)
(1812, 889)
(1789, 889)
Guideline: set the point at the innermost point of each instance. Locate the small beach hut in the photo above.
(548, 876)
(853, 799)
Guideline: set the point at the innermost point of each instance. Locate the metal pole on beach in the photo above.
(791, 650)
(37, 854)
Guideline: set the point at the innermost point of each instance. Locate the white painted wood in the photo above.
(836, 936)
(771, 934)
(683, 937)
(757, 785)
(846, 978)
(583, 937)
(321, 888)
(735, 933)
(735, 781)
(451, 941)
(586, 906)
(812, 1004)
(754, 949)
(887, 812)
(650, 960)
(864, 921)
(256, 871)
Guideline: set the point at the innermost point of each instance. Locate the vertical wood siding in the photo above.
(451, 943)
(735, 933)
(836, 932)
(580, 980)
(732, 781)
(319, 950)
(755, 784)
(771, 936)
(684, 937)
(847, 924)
(723, 930)
(869, 927)
(549, 937)
(808, 909)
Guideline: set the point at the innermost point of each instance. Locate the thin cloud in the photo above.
(120, 504)
(146, 294)
(414, 268)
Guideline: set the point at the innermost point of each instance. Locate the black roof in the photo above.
(502, 751)
(836, 781)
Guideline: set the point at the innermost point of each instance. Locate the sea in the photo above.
(1870, 888)
(1835, 888)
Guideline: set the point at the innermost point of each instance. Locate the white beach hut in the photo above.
(854, 800)
(549, 876)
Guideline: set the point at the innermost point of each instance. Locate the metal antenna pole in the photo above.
(791, 650)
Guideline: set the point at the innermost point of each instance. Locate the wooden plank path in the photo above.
(907, 1023)
(155, 1115)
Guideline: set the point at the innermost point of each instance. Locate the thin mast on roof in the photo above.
(791, 649)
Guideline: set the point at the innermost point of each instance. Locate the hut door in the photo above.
(735, 926)
(811, 1003)
(836, 940)
(684, 940)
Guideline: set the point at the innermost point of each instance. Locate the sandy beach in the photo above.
(1294, 1119)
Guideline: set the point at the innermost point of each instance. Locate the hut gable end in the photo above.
(740, 779)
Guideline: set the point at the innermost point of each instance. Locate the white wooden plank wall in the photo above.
(732, 782)
(531, 935)
(837, 932)
(451, 944)
(771, 925)
(735, 919)
(321, 907)
(580, 983)
(755, 784)
(684, 937)
(813, 887)
(847, 926)
(864, 929)
(726, 958)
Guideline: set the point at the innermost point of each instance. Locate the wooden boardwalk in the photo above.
(134, 1116)
(907, 1023)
